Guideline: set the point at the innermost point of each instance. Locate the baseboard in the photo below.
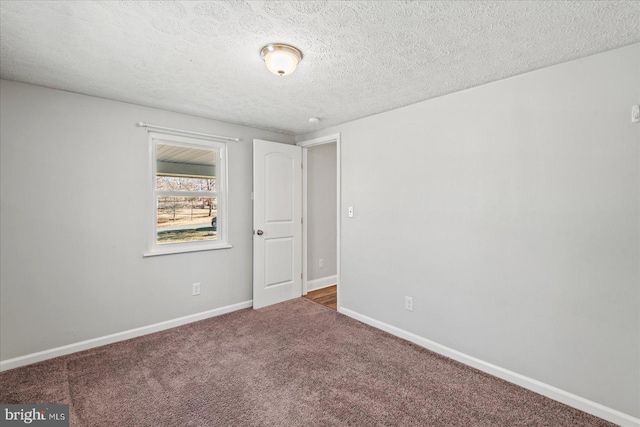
(323, 282)
(119, 336)
(549, 391)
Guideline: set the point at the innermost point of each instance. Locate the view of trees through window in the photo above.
(187, 206)
(189, 194)
(180, 218)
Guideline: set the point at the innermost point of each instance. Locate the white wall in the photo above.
(321, 211)
(510, 213)
(74, 205)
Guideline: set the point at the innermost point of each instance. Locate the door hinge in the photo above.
(300, 276)
(252, 195)
(301, 220)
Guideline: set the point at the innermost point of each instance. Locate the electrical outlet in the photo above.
(408, 303)
(321, 263)
(195, 289)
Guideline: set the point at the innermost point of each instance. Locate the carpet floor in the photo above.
(292, 364)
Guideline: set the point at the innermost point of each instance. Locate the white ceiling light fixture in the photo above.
(281, 59)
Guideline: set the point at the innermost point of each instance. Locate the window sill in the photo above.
(171, 251)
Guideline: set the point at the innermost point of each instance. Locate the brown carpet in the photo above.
(293, 364)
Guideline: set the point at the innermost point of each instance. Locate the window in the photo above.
(189, 194)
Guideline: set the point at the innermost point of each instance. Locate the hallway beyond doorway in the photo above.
(325, 296)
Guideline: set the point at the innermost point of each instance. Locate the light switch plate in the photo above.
(635, 114)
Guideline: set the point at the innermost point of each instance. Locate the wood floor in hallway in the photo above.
(326, 296)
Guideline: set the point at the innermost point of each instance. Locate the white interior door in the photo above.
(277, 222)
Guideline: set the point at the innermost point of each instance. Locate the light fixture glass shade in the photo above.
(281, 59)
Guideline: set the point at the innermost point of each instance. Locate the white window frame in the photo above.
(220, 193)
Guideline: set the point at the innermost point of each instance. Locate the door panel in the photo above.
(279, 178)
(277, 214)
(278, 255)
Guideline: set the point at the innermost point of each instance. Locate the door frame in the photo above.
(328, 139)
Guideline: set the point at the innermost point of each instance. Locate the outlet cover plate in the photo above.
(408, 303)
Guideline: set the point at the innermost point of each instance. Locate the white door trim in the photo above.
(328, 139)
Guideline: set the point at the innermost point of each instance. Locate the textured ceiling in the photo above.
(360, 57)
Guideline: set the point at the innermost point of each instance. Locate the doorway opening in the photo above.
(325, 296)
(321, 220)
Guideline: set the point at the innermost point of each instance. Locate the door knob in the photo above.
(259, 232)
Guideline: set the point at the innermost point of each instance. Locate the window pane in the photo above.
(185, 219)
(177, 183)
(186, 167)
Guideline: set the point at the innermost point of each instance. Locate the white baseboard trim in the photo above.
(119, 336)
(549, 391)
(323, 282)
